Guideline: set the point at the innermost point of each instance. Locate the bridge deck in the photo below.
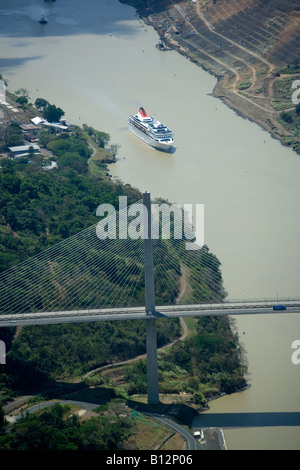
(135, 313)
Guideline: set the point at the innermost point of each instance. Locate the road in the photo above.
(191, 442)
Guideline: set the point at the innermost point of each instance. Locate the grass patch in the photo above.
(288, 69)
(148, 436)
(283, 93)
(246, 83)
(291, 122)
(281, 104)
(98, 162)
(175, 442)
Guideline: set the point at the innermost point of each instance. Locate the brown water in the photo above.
(97, 61)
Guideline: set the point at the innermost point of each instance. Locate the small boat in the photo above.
(43, 20)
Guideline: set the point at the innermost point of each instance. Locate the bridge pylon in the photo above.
(151, 336)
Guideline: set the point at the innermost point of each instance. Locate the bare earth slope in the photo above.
(247, 44)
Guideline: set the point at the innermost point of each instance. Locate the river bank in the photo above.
(248, 182)
(247, 81)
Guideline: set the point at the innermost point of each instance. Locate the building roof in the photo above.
(23, 148)
(37, 120)
(28, 127)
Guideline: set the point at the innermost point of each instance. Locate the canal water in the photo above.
(97, 61)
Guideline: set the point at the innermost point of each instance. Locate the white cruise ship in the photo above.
(151, 131)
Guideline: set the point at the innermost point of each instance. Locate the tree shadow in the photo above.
(181, 412)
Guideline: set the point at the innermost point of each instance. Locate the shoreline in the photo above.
(243, 104)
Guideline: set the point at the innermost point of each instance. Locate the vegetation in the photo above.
(58, 428)
(52, 114)
(206, 363)
(246, 83)
(41, 208)
(288, 69)
(40, 103)
(112, 426)
(44, 353)
(289, 113)
(10, 136)
(283, 94)
(291, 121)
(99, 137)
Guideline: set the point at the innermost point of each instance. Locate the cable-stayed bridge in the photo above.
(89, 278)
(139, 313)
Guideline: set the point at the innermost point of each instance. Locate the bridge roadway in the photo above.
(138, 313)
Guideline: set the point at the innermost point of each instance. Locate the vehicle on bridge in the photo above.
(279, 307)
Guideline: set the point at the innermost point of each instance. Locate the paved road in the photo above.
(191, 442)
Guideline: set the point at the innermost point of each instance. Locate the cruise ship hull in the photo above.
(166, 146)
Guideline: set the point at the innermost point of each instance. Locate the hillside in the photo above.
(41, 209)
(252, 46)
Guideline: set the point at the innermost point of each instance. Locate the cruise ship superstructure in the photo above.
(151, 131)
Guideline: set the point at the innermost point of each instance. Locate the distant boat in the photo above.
(43, 20)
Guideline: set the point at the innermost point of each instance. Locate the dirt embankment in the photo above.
(245, 44)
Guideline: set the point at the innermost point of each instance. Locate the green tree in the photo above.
(40, 103)
(22, 92)
(199, 399)
(22, 100)
(101, 138)
(30, 151)
(2, 416)
(52, 114)
(114, 149)
(287, 117)
(13, 136)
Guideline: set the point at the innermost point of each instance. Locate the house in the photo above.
(57, 126)
(37, 121)
(23, 150)
(31, 137)
(28, 127)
